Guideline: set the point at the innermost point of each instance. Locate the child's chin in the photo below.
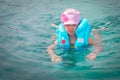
(71, 34)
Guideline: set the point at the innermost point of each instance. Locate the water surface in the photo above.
(25, 33)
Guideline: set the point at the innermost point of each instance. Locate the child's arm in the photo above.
(98, 40)
(93, 54)
(53, 56)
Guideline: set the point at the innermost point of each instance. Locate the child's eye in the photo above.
(73, 25)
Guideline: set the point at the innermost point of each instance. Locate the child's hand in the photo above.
(91, 56)
(55, 58)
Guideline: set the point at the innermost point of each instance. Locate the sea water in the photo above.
(25, 34)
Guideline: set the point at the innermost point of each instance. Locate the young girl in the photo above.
(73, 32)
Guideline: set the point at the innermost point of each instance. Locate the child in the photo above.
(73, 32)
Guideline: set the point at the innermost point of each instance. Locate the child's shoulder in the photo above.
(91, 41)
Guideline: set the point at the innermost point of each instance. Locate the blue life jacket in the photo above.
(82, 33)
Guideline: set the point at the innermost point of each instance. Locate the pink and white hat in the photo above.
(70, 16)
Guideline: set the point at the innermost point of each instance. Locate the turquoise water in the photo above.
(25, 33)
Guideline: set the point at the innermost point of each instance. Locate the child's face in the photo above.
(70, 28)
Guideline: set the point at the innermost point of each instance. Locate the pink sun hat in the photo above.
(70, 16)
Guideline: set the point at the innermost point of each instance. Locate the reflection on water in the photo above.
(25, 33)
